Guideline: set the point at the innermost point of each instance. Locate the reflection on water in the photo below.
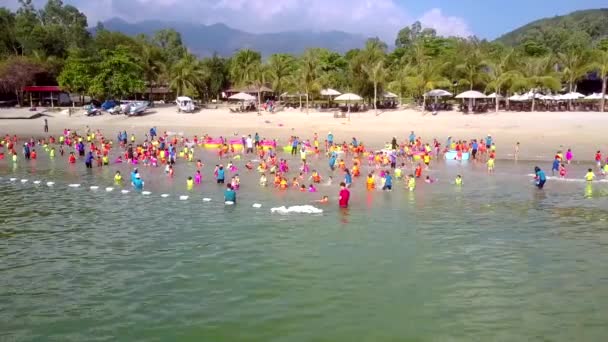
(494, 260)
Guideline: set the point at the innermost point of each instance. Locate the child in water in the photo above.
(590, 176)
(323, 200)
(311, 188)
(263, 180)
(189, 183)
(490, 164)
(458, 180)
(198, 177)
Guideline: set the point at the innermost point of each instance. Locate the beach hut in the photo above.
(472, 95)
(349, 98)
(329, 93)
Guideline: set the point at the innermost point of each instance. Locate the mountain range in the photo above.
(204, 40)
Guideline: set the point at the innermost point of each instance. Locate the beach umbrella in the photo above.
(349, 97)
(471, 94)
(330, 92)
(437, 93)
(242, 97)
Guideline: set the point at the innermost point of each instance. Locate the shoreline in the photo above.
(540, 134)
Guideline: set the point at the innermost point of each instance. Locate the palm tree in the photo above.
(601, 65)
(280, 66)
(309, 72)
(575, 65)
(376, 72)
(245, 67)
(420, 78)
(500, 72)
(538, 74)
(186, 75)
(246, 70)
(152, 66)
(471, 68)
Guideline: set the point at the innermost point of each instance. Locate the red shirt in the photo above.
(344, 197)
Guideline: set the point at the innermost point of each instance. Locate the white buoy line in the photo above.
(163, 195)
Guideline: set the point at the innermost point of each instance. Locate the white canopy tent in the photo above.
(242, 97)
(389, 95)
(437, 93)
(596, 96)
(495, 96)
(348, 98)
(471, 94)
(330, 92)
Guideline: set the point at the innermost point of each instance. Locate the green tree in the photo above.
(8, 42)
(152, 66)
(77, 73)
(500, 71)
(170, 42)
(600, 64)
(218, 74)
(186, 76)
(538, 74)
(118, 74)
(280, 67)
(377, 74)
(308, 73)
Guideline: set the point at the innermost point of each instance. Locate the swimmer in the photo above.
(562, 171)
(590, 176)
(490, 164)
(138, 183)
(458, 180)
(189, 183)
(117, 178)
(539, 177)
(303, 188)
(411, 183)
(555, 166)
(388, 182)
(230, 194)
(429, 180)
(311, 188)
(263, 180)
(198, 177)
(323, 200)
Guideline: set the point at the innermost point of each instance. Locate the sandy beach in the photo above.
(540, 133)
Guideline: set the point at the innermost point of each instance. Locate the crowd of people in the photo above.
(403, 161)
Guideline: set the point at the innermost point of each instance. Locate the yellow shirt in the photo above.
(411, 183)
(589, 176)
(458, 181)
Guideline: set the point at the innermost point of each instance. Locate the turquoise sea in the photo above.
(495, 260)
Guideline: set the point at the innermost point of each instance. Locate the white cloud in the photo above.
(445, 25)
(369, 17)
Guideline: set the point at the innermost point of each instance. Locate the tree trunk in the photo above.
(533, 100)
(507, 100)
(496, 98)
(423, 103)
(259, 100)
(306, 101)
(603, 100)
(570, 101)
(375, 97)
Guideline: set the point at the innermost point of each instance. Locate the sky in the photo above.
(485, 19)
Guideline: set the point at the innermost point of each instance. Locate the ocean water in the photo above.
(495, 260)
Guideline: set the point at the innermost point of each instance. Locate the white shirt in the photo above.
(249, 143)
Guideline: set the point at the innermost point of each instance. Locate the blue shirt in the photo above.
(488, 141)
(230, 195)
(220, 174)
(330, 138)
(332, 161)
(348, 179)
(294, 143)
(555, 164)
(133, 173)
(412, 137)
(475, 146)
(541, 176)
(138, 183)
(388, 180)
